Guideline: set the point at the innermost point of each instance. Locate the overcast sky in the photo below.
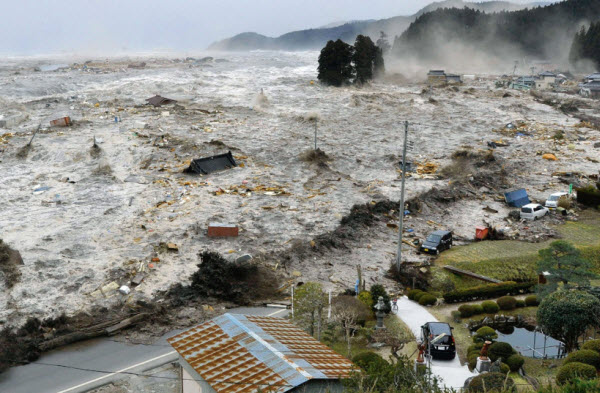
(87, 26)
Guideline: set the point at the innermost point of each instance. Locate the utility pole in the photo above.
(315, 134)
(401, 218)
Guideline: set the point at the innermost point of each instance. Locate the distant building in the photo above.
(592, 77)
(590, 89)
(545, 80)
(439, 76)
(436, 76)
(237, 353)
(528, 81)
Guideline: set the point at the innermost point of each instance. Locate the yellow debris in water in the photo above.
(97, 105)
(549, 156)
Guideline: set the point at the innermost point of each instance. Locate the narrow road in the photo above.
(87, 365)
(451, 372)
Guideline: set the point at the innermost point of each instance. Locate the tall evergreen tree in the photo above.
(335, 63)
(365, 53)
(383, 43)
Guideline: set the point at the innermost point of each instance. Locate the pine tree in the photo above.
(365, 52)
(383, 43)
(335, 63)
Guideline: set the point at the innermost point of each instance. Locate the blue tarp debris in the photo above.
(517, 198)
(208, 165)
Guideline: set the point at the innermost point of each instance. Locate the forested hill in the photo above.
(541, 32)
(317, 38)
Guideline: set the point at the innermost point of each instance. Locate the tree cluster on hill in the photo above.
(341, 63)
(532, 31)
(586, 45)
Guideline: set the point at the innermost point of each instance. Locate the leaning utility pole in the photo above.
(401, 212)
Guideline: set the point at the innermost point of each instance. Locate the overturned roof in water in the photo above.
(159, 101)
(436, 73)
(517, 198)
(208, 165)
(236, 353)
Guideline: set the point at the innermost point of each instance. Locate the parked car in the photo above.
(533, 211)
(438, 347)
(552, 201)
(437, 242)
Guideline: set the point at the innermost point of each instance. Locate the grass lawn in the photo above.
(512, 260)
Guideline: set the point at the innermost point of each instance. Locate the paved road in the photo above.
(111, 359)
(451, 372)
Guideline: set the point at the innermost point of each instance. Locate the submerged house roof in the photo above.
(594, 76)
(207, 165)
(548, 73)
(236, 353)
(436, 73)
(159, 101)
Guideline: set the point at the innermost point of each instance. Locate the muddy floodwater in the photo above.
(88, 220)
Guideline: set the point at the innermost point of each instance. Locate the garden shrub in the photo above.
(427, 300)
(586, 356)
(485, 333)
(520, 303)
(369, 360)
(476, 347)
(413, 292)
(490, 307)
(489, 291)
(532, 301)
(571, 371)
(491, 382)
(500, 350)
(593, 345)
(504, 368)
(472, 360)
(507, 303)
(466, 310)
(515, 362)
(418, 296)
(477, 309)
(455, 315)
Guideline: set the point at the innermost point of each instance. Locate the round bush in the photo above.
(427, 300)
(515, 362)
(585, 356)
(477, 309)
(520, 303)
(466, 310)
(412, 293)
(490, 307)
(369, 361)
(532, 301)
(572, 371)
(507, 303)
(500, 350)
(418, 296)
(455, 316)
(485, 333)
(472, 359)
(593, 345)
(491, 382)
(504, 368)
(475, 348)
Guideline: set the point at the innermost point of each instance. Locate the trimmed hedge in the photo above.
(507, 303)
(585, 356)
(466, 310)
(515, 362)
(589, 196)
(520, 303)
(490, 307)
(418, 296)
(532, 301)
(475, 348)
(504, 368)
(489, 291)
(413, 292)
(593, 345)
(500, 350)
(572, 371)
(369, 360)
(485, 333)
(472, 359)
(427, 300)
(491, 382)
(477, 309)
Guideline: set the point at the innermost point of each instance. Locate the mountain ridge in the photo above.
(315, 38)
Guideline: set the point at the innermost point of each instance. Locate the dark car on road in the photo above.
(442, 348)
(437, 242)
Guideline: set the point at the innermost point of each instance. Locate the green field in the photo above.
(512, 260)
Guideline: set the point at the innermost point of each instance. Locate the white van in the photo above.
(552, 201)
(533, 211)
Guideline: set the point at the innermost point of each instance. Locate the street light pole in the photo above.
(401, 218)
